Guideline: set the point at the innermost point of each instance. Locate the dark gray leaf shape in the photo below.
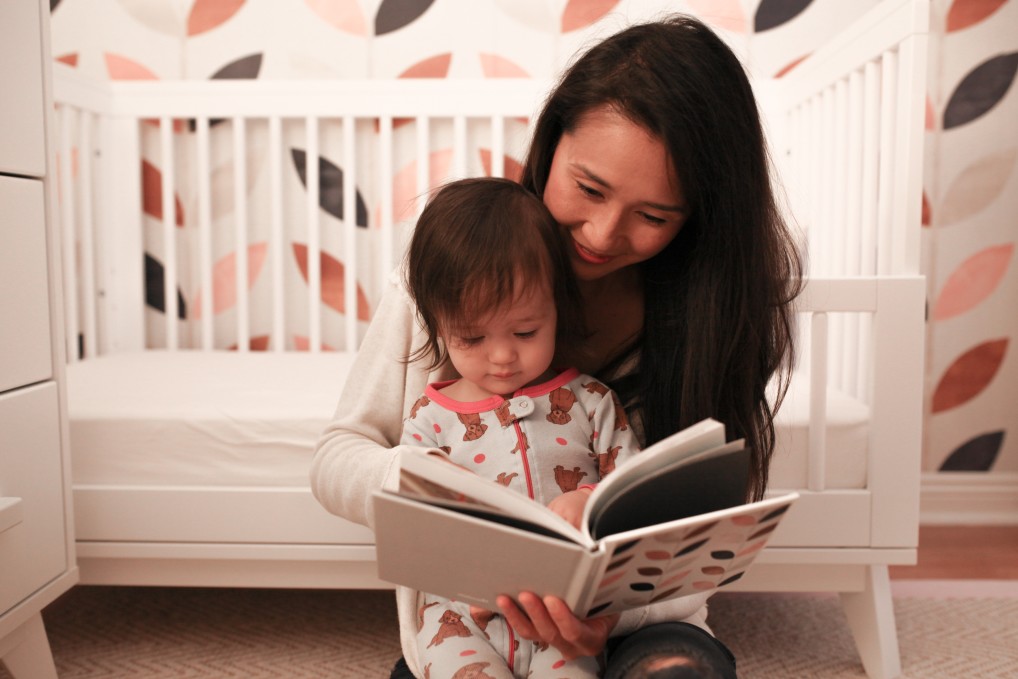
(395, 14)
(773, 13)
(245, 68)
(53, 5)
(980, 90)
(330, 187)
(975, 455)
(155, 286)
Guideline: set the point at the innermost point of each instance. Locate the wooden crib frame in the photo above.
(846, 132)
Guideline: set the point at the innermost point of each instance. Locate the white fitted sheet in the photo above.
(205, 419)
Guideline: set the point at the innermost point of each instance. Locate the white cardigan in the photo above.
(358, 452)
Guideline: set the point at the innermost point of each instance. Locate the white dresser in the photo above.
(37, 561)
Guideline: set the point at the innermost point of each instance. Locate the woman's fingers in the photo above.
(550, 621)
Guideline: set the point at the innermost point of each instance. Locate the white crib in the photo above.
(190, 460)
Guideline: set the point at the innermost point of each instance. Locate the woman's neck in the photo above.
(613, 308)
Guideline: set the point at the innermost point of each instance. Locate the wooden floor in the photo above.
(964, 553)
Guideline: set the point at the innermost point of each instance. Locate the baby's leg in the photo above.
(451, 644)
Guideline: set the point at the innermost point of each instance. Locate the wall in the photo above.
(971, 186)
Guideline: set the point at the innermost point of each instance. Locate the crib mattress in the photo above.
(231, 419)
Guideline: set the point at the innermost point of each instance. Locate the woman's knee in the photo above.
(670, 651)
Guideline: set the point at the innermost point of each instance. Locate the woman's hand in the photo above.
(570, 505)
(550, 621)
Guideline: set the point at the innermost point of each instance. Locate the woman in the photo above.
(650, 153)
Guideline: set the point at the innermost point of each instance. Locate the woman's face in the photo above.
(613, 188)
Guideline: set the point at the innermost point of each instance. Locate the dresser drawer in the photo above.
(33, 548)
(25, 350)
(22, 127)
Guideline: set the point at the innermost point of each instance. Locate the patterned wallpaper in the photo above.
(970, 196)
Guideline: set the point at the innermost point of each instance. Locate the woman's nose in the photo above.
(603, 229)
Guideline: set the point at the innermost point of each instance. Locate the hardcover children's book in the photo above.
(668, 522)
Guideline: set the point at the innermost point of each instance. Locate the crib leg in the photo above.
(26, 652)
(870, 616)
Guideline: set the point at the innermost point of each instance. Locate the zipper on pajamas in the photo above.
(526, 460)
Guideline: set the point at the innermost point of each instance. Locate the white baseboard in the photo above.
(969, 498)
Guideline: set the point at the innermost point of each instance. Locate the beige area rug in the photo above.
(142, 633)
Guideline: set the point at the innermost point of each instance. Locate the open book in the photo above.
(668, 522)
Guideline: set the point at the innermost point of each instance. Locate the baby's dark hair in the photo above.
(475, 241)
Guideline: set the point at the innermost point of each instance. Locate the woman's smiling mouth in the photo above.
(589, 255)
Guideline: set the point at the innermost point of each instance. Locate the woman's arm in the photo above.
(358, 452)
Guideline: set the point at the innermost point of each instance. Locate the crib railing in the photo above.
(180, 133)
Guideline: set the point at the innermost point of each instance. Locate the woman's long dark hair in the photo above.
(718, 319)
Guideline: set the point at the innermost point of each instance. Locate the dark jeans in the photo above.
(706, 657)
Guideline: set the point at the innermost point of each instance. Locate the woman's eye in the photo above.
(588, 190)
(653, 219)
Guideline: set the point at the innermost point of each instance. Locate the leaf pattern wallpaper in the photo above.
(969, 195)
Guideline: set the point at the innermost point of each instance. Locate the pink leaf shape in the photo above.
(224, 278)
(790, 65)
(260, 343)
(513, 170)
(931, 115)
(333, 283)
(977, 186)
(346, 15)
(304, 344)
(969, 375)
(405, 191)
(927, 211)
(207, 14)
(726, 14)
(581, 13)
(152, 194)
(432, 67)
(122, 68)
(69, 59)
(965, 13)
(495, 66)
(973, 281)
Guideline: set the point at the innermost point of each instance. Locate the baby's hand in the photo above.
(570, 505)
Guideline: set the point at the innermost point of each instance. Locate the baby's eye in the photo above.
(526, 335)
(469, 341)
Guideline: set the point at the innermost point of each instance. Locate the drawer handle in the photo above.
(11, 512)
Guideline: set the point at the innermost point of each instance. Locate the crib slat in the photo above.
(350, 231)
(170, 277)
(71, 274)
(386, 173)
(853, 233)
(885, 193)
(276, 243)
(240, 232)
(817, 435)
(838, 227)
(459, 145)
(205, 232)
(314, 261)
(497, 146)
(423, 164)
(910, 112)
(88, 278)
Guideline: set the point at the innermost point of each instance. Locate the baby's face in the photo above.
(508, 349)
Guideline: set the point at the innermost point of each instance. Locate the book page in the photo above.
(430, 479)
